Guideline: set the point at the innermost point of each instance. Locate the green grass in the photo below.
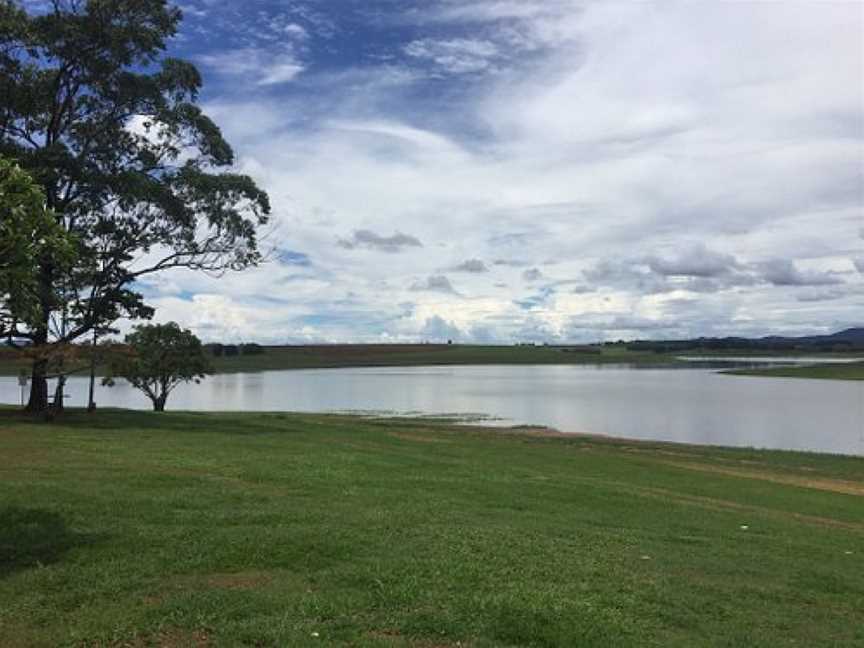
(135, 529)
(395, 355)
(851, 371)
(371, 355)
(387, 355)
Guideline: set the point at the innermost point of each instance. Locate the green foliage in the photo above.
(131, 166)
(28, 235)
(163, 356)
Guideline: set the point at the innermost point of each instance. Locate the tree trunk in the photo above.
(38, 402)
(159, 403)
(58, 395)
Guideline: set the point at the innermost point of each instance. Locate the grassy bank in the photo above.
(400, 355)
(134, 529)
(378, 355)
(851, 371)
(395, 355)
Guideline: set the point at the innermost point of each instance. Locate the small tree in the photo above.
(162, 356)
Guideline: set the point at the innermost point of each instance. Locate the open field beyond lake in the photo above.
(135, 529)
(275, 358)
(851, 371)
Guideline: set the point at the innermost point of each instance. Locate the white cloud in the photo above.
(456, 56)
(659, 157)
(262, 67)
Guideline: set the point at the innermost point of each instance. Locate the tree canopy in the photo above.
(99, 115)
(28, 234)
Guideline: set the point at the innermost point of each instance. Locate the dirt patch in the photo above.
(239, 581)
(246, 580)
(831, 485)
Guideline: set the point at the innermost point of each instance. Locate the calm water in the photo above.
(686, 405)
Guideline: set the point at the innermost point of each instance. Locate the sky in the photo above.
(501, 171)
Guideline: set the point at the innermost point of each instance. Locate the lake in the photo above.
(693, 405)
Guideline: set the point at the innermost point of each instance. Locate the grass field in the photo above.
(851, 371)
(372, 355)
(393, 355)
(138, 529)
(382, 355)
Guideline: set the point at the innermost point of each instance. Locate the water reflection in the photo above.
(685, 405)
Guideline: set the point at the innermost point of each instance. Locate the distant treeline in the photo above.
(228, 350)
(849, 340)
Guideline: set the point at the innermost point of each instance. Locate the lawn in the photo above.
(850, 371)
(137, 529)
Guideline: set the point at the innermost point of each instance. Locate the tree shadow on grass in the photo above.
(33, 537)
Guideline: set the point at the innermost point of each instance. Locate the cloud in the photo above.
(628, 275)
(784, 272)
(437, 329)
(532, 132)
(694, 261)
(474, 266)
(435, 283)
(858, 262)
(533, 274)
(821, 295)
(292, 258)
(370, 240)
(263, 67)
(512, 263)
(455, 56)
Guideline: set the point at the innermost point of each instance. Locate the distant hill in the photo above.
(852, 335)
(851, 339)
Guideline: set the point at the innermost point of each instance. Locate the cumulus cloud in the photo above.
(398, 242)
(694, 261)
(475, 266)
(785, 272)
(435, 283)
(512, 263)
(530, 132)
(437, 329)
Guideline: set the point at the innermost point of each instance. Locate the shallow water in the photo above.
(685, 405)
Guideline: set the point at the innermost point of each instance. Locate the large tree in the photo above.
(92, 107)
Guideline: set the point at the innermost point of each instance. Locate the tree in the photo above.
(28, 234)
(131, 167)
(161, 357)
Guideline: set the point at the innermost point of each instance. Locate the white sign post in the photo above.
(22, 382)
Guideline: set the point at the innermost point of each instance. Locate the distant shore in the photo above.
(278, 358)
